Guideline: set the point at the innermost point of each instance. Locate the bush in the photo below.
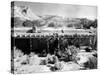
(28, 23)
(87, 61)
(17, 53)
(57, 66)
(71, 53)
(43, 62)
(51, 59)
(51, 24)
(70, 25)
(91, 63)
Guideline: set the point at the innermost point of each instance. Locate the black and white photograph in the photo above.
(53, 37)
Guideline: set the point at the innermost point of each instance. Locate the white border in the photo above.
(5, 35)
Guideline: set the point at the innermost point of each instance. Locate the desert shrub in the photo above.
(57, 66)
(91, 63)
(71, 53)
(51, 59)
(94, 53)
(24, 60)
(68, 54)
(19, 59)
(43, 62)
(31, 54)
(17, 53)
(87, 49)
(34, 59)
(86, 61)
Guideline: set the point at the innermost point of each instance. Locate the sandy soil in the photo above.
(33, 64)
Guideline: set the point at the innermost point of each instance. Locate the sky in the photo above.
(64, 10)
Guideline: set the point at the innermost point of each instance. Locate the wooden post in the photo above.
(30, 44)
(47, 45)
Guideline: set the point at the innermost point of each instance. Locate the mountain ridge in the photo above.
(24, 13)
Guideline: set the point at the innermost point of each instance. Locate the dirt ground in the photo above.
(70, 66)
(33, 65)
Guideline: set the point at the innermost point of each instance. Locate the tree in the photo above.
(28, 23)
(78, 26)
(94, 24)
(88, 23)
(70, 25)
(38, 23)
(51, 24)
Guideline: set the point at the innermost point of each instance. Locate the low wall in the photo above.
(38, 44)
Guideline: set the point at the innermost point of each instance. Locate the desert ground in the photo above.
(32, 63)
